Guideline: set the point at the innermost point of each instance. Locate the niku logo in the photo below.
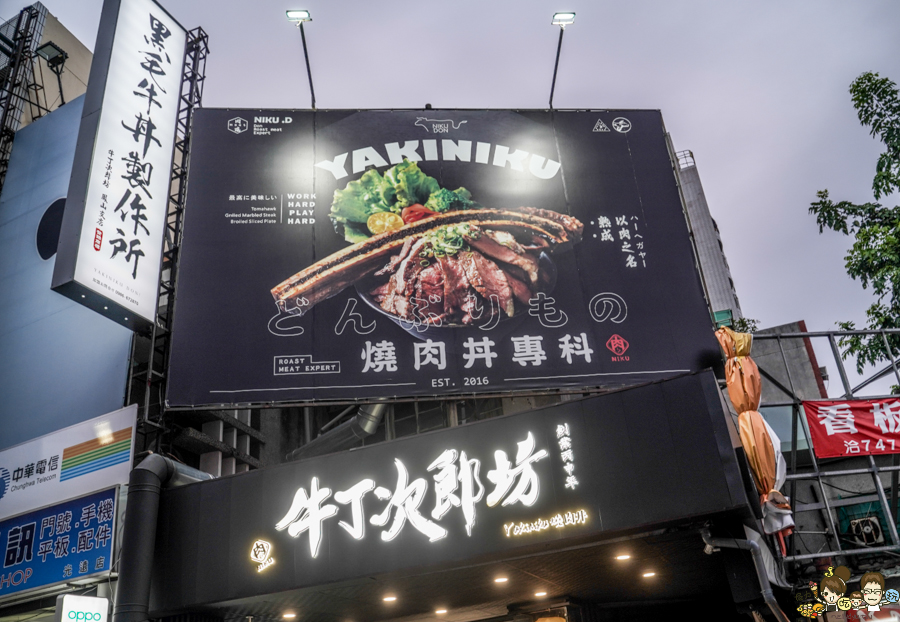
(600, 126)
(260, 553)
(618, 346)
(439, 126)
(237, 125)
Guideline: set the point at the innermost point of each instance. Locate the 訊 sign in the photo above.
(841, 428)
(60, 543)
(82, 458)
(111, 242)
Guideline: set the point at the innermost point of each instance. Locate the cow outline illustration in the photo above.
(421, 121)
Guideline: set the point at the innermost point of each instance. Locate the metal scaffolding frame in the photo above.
(18, 39)
(150, 371)
(819, 473)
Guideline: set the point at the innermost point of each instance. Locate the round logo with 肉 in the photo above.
(617, 345)
(380, 222)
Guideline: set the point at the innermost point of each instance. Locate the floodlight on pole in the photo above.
(562, 20)
(299, 16)
(56, 61)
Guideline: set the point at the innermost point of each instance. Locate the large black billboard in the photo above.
(344, 254)
(507, 487)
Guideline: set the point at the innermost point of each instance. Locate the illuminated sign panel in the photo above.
(71, 608)
(560, 521)
(60, 543)
(455, 483)
(261, 553)
(74, 461)
(111, 241)
(363, 254)
(482, 491)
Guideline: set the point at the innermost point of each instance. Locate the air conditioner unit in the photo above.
(866, 531)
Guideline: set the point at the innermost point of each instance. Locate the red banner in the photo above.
(854, 427)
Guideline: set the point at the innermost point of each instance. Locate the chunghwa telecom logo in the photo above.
(4, 482)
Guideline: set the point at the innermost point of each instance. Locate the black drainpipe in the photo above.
(344, 436)
(139, 535)
(758, 564)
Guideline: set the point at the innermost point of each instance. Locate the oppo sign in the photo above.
(71, 608)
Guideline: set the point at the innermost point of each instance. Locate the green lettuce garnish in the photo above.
(410, 183)
(362, 198)
(355, 232)
(401, 186)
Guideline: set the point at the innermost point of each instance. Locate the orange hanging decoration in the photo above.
(745, 390)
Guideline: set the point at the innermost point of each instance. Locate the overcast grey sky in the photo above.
(757, 90)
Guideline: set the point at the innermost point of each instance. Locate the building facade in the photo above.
(540, 457)
(713, 263)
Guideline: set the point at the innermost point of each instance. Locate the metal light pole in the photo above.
(56, 60)
(562, 20)
(300, 16)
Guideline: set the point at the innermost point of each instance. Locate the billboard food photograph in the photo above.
(449, 312)
(386, 254)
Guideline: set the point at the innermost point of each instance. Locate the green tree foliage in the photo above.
(874, 258)
(745, 325)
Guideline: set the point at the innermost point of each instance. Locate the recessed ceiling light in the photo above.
(440, 611)
(623, 556)
(106, 307)
(501, 580)
(540, 593)
(649, 574)
(82, 295)
(390, 599)
(289, 616)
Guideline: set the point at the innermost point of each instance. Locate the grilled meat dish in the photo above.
(455, 267)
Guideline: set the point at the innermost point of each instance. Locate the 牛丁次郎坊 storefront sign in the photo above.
(352, 254)
(543, 479)
(459, 481)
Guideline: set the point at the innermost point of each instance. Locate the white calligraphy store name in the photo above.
(457, 483)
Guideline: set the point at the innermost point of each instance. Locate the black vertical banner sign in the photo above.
(341, 254)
